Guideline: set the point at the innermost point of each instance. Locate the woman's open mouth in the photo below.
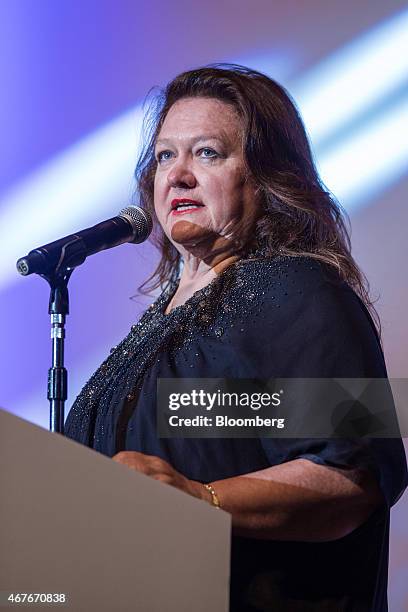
(181, 206)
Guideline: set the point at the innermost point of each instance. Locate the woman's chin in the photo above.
(190, 234)
(201, 242)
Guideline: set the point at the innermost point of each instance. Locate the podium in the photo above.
(74, 522)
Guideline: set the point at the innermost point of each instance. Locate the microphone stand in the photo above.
(73, 254)
(58, 308)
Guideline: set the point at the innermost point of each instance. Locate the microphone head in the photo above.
(140, 220)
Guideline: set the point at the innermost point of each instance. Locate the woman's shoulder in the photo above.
(303, 313)
(282, 267)
(273, 291)
(285, 289)
(289, 276)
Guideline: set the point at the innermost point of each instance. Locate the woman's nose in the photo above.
(181, 176)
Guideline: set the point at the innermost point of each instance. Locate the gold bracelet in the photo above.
(214, 497)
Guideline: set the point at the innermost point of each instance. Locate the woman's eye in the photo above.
(163, 156)
(208, 153)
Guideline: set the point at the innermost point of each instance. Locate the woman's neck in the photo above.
(195, 276)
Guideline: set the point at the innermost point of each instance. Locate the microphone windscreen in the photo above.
(140, 220)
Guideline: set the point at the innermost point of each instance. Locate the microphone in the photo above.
(133, 224)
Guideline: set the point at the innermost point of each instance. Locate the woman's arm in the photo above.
(298, 500)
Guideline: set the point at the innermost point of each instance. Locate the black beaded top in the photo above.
(261, 318)
(212, 312)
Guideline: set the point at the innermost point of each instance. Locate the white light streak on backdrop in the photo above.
(80, 186)
(347, 83)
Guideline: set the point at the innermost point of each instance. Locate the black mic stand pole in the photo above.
(73, 254)
(57, 375)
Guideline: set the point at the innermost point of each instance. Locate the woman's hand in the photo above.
(157, 468)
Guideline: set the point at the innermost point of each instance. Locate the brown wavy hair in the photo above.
(300, 216)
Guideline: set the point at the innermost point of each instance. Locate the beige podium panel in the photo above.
(74, 522)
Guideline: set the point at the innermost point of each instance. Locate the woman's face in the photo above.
(202, 195)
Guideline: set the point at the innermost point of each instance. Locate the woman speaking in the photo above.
(257, 281)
